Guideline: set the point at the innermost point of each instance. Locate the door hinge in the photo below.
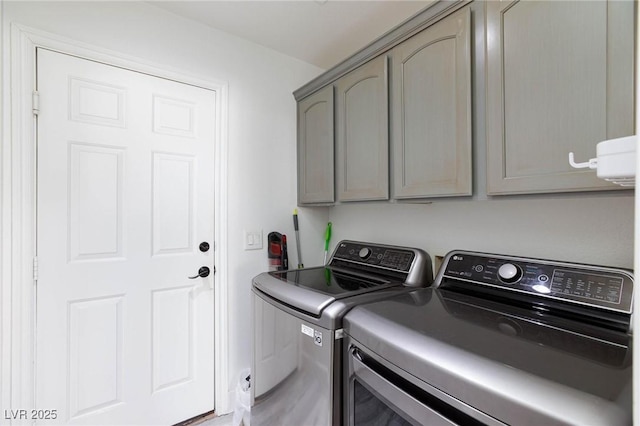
(35, 102)
(35, 268)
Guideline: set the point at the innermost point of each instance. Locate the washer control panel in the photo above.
(411, 265)
(597, 286)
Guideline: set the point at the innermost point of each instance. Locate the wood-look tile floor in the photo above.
(209, 420)
(226, 420)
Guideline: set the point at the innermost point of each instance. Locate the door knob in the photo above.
(202, 272)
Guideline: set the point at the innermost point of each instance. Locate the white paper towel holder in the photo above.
(615, 161)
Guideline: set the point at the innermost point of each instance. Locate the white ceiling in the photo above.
(319, 32)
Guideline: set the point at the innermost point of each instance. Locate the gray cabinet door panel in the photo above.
(431, 111)
(362, 133)
(559, 79)
(315, 148)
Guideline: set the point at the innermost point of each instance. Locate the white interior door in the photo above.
(125, 197)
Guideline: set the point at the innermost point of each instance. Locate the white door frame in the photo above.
(18, 200)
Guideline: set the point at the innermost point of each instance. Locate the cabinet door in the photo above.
(431, 111)
(560, 78)
(315, 148)
(362, 133)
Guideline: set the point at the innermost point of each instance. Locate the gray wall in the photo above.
(589, 228)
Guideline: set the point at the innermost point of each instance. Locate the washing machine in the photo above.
(297, 340)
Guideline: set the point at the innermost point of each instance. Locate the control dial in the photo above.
(364, 253)
(509, 273)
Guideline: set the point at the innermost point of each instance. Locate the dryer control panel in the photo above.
(596, 286)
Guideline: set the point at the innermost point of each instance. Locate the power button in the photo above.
(509, 273)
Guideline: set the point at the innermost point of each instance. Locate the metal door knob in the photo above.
(202, 273)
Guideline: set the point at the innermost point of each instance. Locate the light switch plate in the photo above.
(253, 240)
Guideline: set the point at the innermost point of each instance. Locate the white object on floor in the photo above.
(242, 412)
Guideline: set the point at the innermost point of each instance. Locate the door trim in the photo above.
(18, 198)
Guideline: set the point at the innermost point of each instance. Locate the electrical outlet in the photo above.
(253, 240)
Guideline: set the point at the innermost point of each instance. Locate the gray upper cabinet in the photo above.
(431, 111)
(315, 148)
(560, 78)
(362, 138)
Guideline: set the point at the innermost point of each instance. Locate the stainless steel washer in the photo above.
(297, 339)
(497, 340)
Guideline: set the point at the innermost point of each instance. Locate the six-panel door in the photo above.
(125, 197)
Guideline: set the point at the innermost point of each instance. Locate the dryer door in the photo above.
(377, 395)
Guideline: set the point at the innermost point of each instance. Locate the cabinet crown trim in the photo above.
(426, 17)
